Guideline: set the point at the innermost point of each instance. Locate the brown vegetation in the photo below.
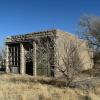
(17, 87)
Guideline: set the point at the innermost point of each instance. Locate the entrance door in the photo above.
(29, 68)
(29, 58)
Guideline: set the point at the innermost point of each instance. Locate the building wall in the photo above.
(62, 42)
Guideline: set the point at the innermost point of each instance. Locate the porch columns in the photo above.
(7, 59)
(22, 59)
(34, 59)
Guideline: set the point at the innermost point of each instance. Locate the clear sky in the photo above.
(23, 16)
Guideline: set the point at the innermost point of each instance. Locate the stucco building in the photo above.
(34, 53)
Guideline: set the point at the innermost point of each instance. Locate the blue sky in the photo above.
(23, 16)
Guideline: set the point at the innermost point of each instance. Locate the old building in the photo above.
(34, 53)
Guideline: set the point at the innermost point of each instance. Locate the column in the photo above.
(11, 56)
(7, 59)
(22, 59)
(17, 61)
(34, 59)
(14, 56)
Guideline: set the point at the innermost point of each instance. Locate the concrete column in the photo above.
(7, 59)
(22, 59)
(14, 55)
(34, 59)
(11, 56)
(17, 57)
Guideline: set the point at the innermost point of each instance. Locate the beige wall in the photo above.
(62, 42)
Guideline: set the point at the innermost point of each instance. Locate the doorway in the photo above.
(29, 68)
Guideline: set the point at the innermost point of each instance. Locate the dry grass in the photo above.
(17, 87)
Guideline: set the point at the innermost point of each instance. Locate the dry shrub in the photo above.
(17, 87)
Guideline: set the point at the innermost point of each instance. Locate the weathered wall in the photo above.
(85, 55)
(62, 41)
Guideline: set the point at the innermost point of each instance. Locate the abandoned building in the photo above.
(34, 53)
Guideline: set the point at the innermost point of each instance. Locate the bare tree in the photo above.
(90, 27)
(44, 55)
(68, 64)
(90, 30)
(71, 62)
